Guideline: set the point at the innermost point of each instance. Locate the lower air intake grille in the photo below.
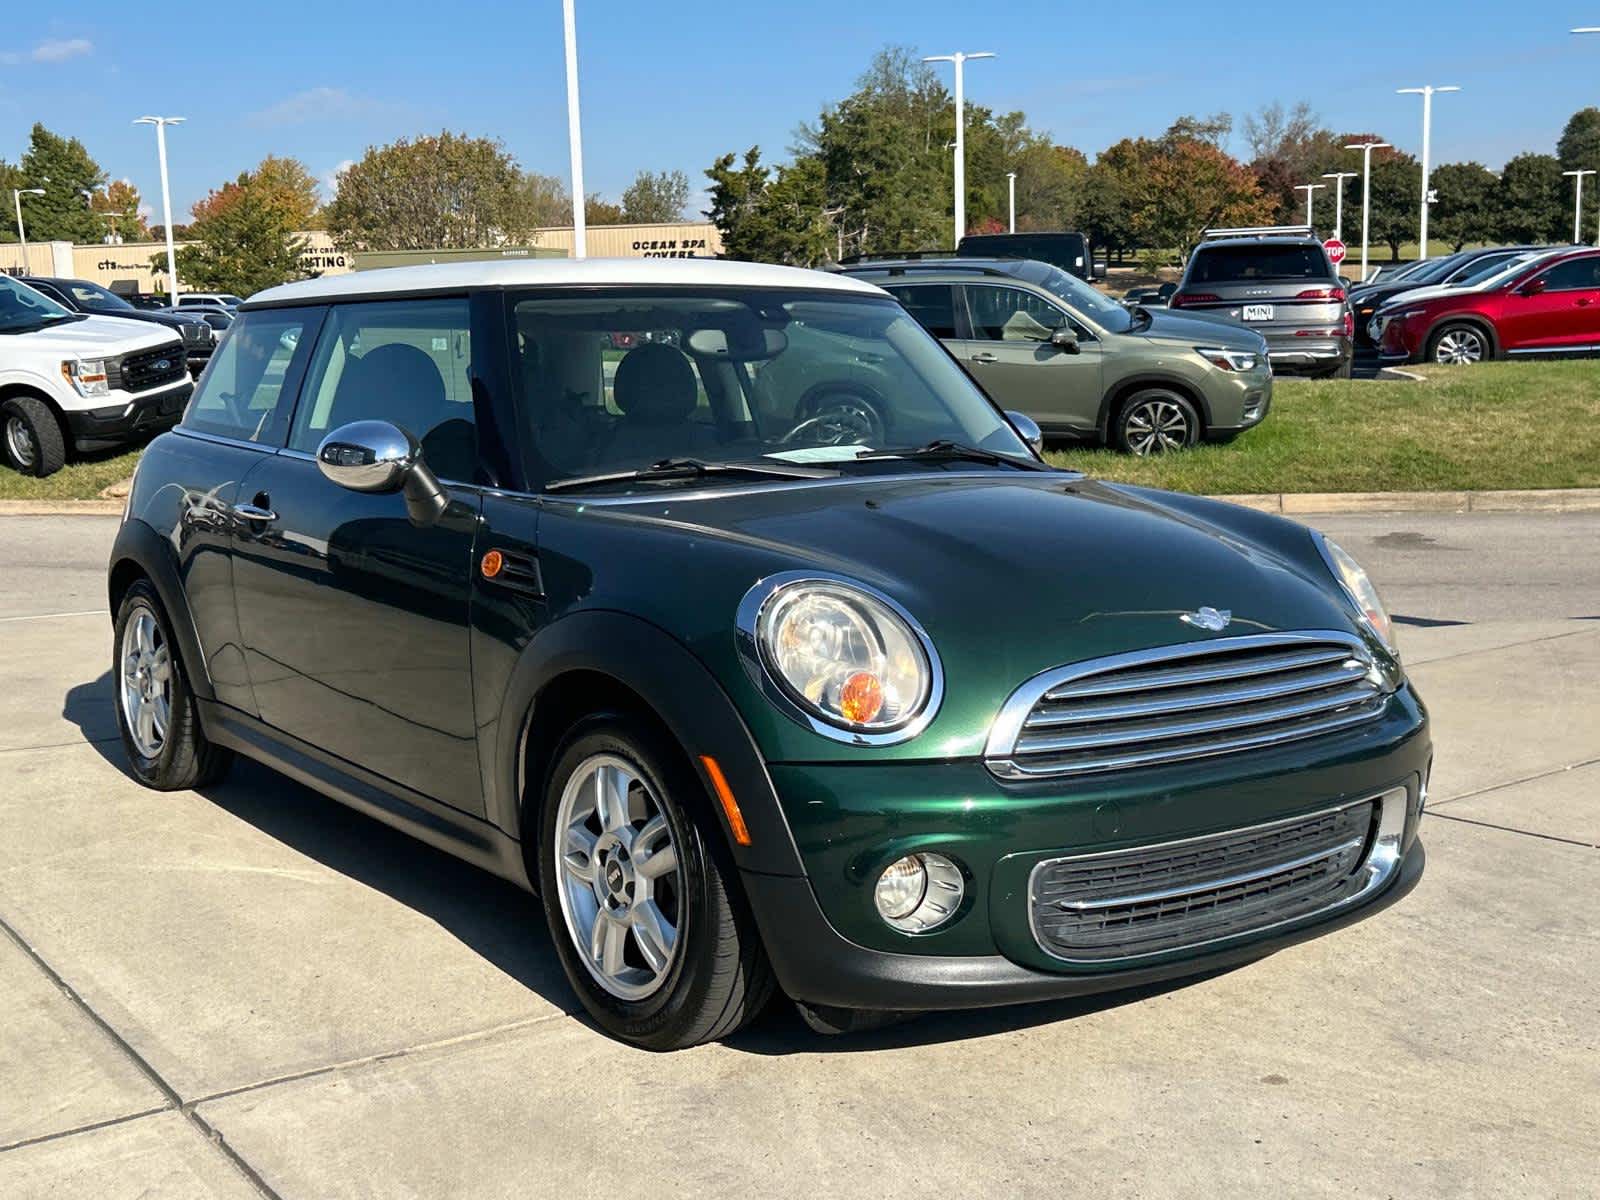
(1147, 900)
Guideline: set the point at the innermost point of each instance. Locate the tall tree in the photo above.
(66, 171)
(544, 200)
(244, 235)
(1579, 147)
(655, 196)
(1396, 201)
(737, 188)
(1289, 148)
(1465, 210)
(447, 191)
(286, 184)
(117, 206)
(10, 177)
(599, 211)
(1532, 203)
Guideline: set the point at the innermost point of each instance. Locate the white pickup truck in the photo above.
(70, 382)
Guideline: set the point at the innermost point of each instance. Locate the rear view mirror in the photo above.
(376, 457)
(1027, 429)
(1064, 339)
(714, 343)
(1099, 269)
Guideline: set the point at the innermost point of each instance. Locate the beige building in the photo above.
(128, 267)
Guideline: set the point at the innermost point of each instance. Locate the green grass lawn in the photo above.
(75, 481)
(1498, 425)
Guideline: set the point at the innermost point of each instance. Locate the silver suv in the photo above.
(1279, 282)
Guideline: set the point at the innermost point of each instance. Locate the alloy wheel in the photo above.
(1459, 347)
(620, 881)
(145, 683)
(20, 443)
(1156, 426)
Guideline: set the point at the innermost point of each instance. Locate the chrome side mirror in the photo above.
(376, 457)
(1065, 338)
(1028, 430)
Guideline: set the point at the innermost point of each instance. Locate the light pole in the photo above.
(22, 234)
(580, 228)
(1310, 189)
(1011, 201)
(1366, 149)
(1577, 205)
(1338, 178)
(1579, 238)
(960, 60)
(1427, 94)
(161, 124)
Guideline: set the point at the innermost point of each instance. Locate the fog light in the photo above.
(919, 892)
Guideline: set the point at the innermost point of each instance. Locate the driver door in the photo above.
(1008, 351)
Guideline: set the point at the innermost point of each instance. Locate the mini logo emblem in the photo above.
(1207, 617)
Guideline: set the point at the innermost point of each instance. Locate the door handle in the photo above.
(1584, 301)
(253, 512)
(985, 357)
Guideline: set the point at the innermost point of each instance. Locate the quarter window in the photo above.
(1007, 314)
(407, 362)
(246, 392)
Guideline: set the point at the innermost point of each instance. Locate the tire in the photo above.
(1460, 344)
(30, 437)
(1345, 370)
(1155, 421)
(145, 668)
(598, 887)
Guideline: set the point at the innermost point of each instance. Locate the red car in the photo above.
(1549, 307)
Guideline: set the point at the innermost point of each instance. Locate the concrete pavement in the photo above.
(258, 993)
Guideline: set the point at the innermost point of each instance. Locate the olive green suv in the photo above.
(1045, 343)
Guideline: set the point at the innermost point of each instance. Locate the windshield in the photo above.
(620, 381)
(1089, 301)
(1233, 264)
(23, 309)
(92, 295)
(231, 300)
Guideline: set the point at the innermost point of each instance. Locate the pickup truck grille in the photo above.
(1146, 900)
(146, 369)
(1182, 702)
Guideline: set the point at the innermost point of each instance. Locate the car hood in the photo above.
(94, 336)
(1010, 573)
(1201, 329)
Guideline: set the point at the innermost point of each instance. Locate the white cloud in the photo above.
(329, 179)
(61, 50)
(318, 104)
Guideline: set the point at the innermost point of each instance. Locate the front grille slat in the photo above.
(1224, 696)
(142, 370)
(1148, 900)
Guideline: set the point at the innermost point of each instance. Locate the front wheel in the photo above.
(31, 437)
(638, 892)
(1459, 345)
(1156, 421)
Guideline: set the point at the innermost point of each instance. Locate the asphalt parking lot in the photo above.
(256, 992)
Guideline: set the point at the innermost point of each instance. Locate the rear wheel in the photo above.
(638, 892)
(1459, 345)
(166, 747)
(30, 437)
(1156, 421)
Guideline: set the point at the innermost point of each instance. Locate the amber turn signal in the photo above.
(492, 564)
(730, 806)
(861, 698)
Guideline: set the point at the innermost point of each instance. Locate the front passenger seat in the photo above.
(656, 390)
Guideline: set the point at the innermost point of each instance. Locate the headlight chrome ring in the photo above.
(846, 596)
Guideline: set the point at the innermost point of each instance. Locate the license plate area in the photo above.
(1258, 312)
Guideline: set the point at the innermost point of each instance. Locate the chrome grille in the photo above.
(146, 369)
(1147, 900)
(1182, 702)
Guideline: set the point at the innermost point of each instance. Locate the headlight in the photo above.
(87, 375)
(847, 661)
(1229, 360)
(1358, 586)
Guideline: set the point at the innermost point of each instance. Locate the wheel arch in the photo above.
(594, 661)
(1477, 320)
(14, 388)
(1116, 396)
(139, 553)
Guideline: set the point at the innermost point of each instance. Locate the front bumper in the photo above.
(829, 947)
(126, 417)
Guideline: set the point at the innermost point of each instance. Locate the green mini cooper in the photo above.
(713, 603)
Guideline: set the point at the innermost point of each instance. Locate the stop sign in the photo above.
(1335, 249)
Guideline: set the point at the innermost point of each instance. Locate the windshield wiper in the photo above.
(945, 450)
(690, 468)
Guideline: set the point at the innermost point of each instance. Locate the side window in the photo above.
(1007, 314)
(247, 390)
(932, 305)
(407, 362)
(1574, 275)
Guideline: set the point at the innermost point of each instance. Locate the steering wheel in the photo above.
(840, 419)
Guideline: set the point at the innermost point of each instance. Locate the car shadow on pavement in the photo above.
(495, 919)
(505, 924)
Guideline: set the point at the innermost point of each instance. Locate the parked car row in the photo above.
(715, 603)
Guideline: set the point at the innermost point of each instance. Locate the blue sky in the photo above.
(672, 85)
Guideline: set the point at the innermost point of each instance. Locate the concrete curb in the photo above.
(1540, 500)
(60, 508)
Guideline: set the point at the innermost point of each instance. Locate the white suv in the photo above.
(81, 381)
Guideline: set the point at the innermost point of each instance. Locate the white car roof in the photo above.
(555, 272)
